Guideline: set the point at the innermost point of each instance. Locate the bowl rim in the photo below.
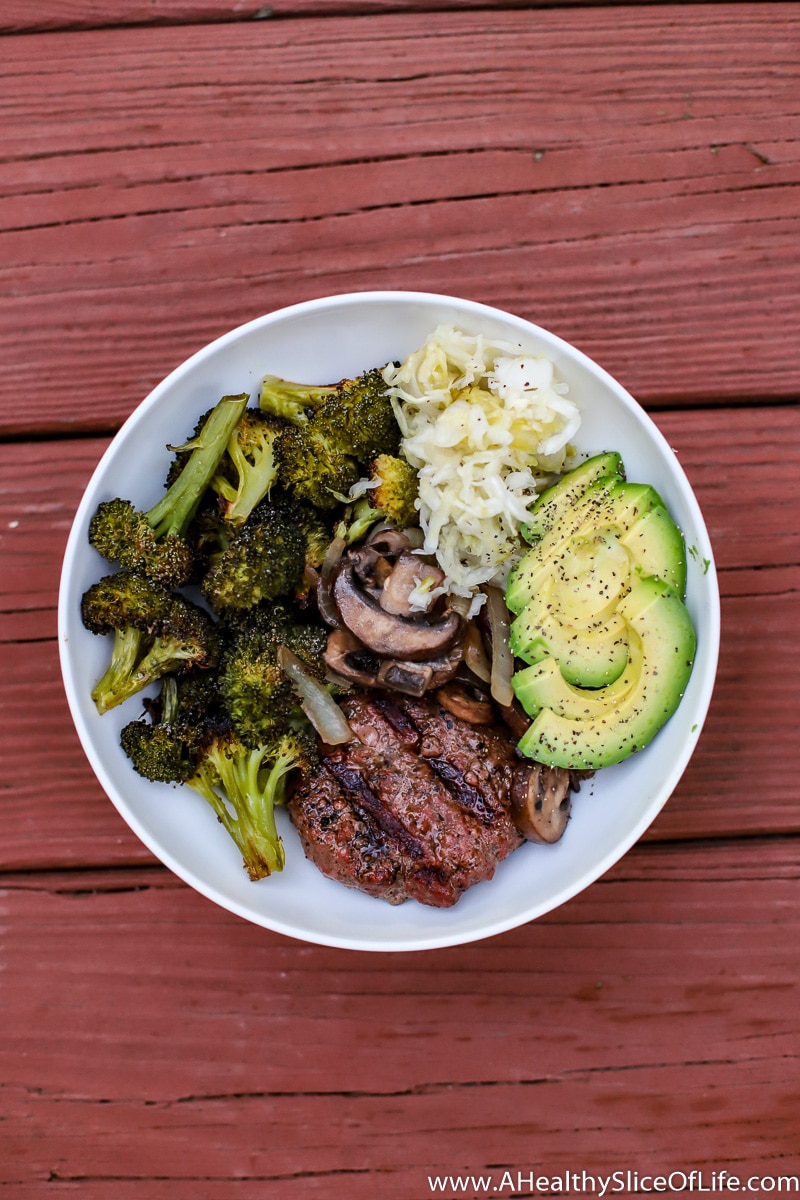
(414, 942)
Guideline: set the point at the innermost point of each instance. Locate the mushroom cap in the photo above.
(391, 635)
(541, 798)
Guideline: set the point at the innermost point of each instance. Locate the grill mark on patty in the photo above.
(363, 797)
(400, 722)
(464, 793)
(377, 815)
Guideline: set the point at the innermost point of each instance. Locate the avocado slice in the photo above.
(542, 685)
(584, 517)
(657, 546)
(632, 513)
(588, 657)
(663, 642)
(573, 613)
(568, 490)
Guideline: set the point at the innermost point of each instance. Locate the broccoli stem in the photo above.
(175, 510)
(117, 683)
(252, 824)
(292, 401)
(164, 655)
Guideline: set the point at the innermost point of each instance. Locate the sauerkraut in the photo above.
(486, 425)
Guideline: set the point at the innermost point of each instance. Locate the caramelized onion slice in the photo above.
(316, 701)
(333, 555)
(475, 655)
(502, 658)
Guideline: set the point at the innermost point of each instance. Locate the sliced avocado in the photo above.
(590, 657)
(658, 617)
(590, 577)
(573, 613)
(564, 494)
(583, 517)
(618, 509)
(542, 685)
(656, 545)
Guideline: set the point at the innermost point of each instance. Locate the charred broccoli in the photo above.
(155, 543)
(243, 784)
(390, 498)
(313, 465)
(257, 694)
(316, 531)
(293, 402)
(155, 633)
(335, 431)
(190, 739)
(265, 558)
(247, 470)
(356, 520)
(359, 417)
(397, 489)
(168, 747)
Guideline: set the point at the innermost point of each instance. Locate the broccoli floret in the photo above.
(293, 402)
(313, 465)
(167, 748)
(391, 500)
(316, 531)
(356, 520)
(257, 694)
(320, 456)
(155, 633)
(264, 560)
(243, 784)
(247, 470)
(360, 417)
(397, 490)
(155, 543)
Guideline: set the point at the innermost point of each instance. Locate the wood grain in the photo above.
(620, 1031)
(626, 175)
(489, 158)
(19, 16)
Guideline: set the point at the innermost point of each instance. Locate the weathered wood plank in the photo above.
(18, 16)
(150, 1038)
(41, 484)
(646, 211)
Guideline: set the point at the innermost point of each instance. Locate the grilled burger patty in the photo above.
(416, 806)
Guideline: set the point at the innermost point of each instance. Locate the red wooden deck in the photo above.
(624, 175)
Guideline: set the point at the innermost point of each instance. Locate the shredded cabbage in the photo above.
(486, 425)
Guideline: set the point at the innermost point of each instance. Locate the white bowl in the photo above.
(318, 342)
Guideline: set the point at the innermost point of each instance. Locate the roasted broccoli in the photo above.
(168, 747)
(356, 520)
(313, 465)
(155, 633)
(155, 543)
(316, 531)
(293, 402)
(391, 500)
(265, 558)
(397, 489)
(335, 431)
(247, 470)
(359, 417)
(243, 784)
(189, 739)
(258, 695)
